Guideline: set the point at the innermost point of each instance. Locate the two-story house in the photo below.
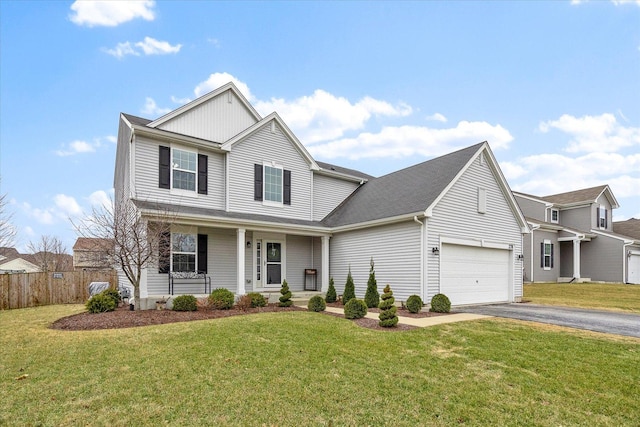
(572, 238)
(252, 208)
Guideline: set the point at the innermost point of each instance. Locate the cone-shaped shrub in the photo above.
(349, 289)
(372, 297)
(355, 309)
(440, 303)
(388, 317)
(285, 299)
(331, 292)
(414, 303)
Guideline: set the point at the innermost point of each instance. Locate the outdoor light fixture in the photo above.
(520, 257)
(435, 250)
(248, 244)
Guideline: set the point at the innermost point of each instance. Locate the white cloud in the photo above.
(122, 50)
(407, 141)
(151, 46)
(81, 147)
(101, 198)
(67, 205)
(216, 80)
(594, 133)
(437, 117)
(110, 13)
(42, 216)
(152, 109)
(180, 101)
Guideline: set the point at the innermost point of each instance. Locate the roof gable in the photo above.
(583, 196)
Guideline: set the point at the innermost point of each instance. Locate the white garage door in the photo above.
(473, 275)
(634, 268)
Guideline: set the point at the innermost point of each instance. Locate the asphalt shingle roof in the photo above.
(630, 227)
(584, 195)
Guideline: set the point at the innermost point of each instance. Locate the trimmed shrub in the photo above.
(355, 309)
(257, 300)
(388, 311)
(113, 294)
(244, 303)
(221, 299)
(285, 299)
(372, 297)
(316, 303)
(440, 304)
(185, 303)
(414, 304)
(349, 289)
(100, 303)
(331, 292)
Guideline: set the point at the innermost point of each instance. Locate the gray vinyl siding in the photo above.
(395, 250)
(601, 259)
(122, 168)
(222, 259)
(456, 216)
(578, 218)
(604, 202)
(146, 178)
(539, 273)
(299, 257)
(328, 193)
(215, 120)
(267, 146)
(317, 260)
(249, 261)
(532, 209)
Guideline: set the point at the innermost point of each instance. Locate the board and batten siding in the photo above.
(146, 154)
(457, 216)
(395, 249)
(328, 193)
(299, 257)
(267, 146)
(217, 119)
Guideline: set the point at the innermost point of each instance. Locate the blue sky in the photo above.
(553, 86)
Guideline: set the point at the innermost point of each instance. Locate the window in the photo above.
(273, 184)
(183, 252)
(602, 217)
(546, 255)
(554, 215)
(182, 170)
(183, 167)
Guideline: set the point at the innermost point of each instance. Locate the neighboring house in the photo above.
(11, 261)
(252, 208)
(631, 228)
(572, 238)
(91, 254)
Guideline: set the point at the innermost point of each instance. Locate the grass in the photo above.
(303, 368)
(603, 296)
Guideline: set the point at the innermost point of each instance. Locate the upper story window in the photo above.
(272, 184)
(602, 217)
(182, 170)
(555, 215)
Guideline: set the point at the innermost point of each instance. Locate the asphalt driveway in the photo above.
(593, 320)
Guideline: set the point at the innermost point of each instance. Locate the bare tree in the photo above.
(7, 230)
(137, 242)
(50, 254)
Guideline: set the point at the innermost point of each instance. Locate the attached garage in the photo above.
(474, 275)
(634, 267)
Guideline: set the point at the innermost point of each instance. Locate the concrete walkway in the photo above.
(422, 322)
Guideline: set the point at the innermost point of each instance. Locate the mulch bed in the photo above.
(122, 317)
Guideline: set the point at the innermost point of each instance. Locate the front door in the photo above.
(273, 264)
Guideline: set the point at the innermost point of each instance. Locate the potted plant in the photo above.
(161, 304)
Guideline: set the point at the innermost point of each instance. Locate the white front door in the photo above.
(270, 265)
(634, 267)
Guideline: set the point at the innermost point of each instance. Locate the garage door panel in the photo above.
(472, 275)
(634, 269)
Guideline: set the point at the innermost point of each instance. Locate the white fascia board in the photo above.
(344, 176)
(124, 119)
(378, 222)
(476, 243)
(626, 240)
(166, 136)
(610, 196)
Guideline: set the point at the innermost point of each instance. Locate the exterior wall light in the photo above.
(435, 250)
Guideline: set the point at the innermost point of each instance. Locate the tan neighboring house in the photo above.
(91, 254)
(11, 261)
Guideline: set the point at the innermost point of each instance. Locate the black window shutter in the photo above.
(202, 253)
(164, 252)
(286, 196)
(202, 174)
(606, 221)
(542, 254)
(257, 182)
(551, 256)
(164, 169)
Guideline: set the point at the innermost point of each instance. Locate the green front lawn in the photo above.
(603, 296)
(302, 368)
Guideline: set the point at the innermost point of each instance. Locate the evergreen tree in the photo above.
(331, 292)
(349, 289)
(285, 299)
(372, 297)
(388, 317)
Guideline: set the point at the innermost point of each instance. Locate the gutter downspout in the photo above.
(625, 260)
(422, 261)
(533, 228)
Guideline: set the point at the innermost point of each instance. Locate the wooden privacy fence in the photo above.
(33, 289)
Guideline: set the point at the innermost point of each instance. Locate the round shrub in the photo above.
(355, 309)
(100, 303)
(414, 304)
(113, 294)
(221, 299)
(185, 303)
(440, 303)
(257, 300)
(316, 303)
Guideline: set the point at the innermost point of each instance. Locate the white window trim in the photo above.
(182, 191)
(545, 243)
(194, 253)
(601, 209)
(266, 202)
(557, 211)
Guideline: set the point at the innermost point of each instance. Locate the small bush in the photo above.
(414, 304)
(331, 292)
(113, 294)
(285, 299)
(244, 303)
(440, 304)
(100, 303)
(221, 299)
(185, 303)
(355, 309)
(316, 303)
(349, 289)
(257, 300)
(388, 311)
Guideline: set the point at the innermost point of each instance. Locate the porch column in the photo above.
(576, 258)
(324, 280)
(241, 262)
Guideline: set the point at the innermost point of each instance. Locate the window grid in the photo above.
(547, 255)
(273, 184)
(184, 170)
(183, 248)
